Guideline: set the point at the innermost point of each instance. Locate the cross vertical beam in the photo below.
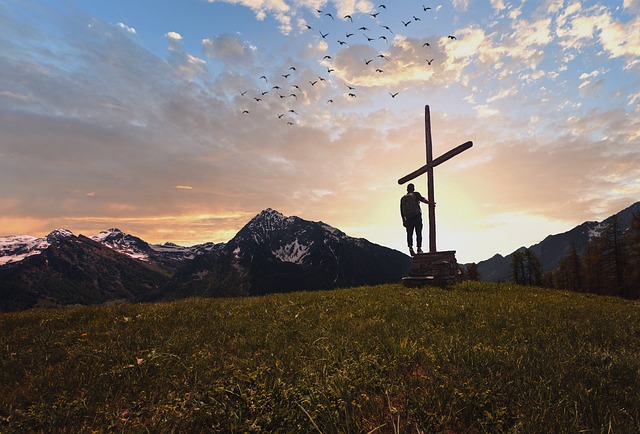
(430, 187)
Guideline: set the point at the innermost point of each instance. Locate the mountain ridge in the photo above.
(554, 247)
(271, 253)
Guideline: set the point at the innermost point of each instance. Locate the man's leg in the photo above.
(410, 228)
(419, 234)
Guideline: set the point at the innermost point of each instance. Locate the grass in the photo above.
(477, 357)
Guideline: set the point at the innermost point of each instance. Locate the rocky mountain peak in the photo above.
(58, 234)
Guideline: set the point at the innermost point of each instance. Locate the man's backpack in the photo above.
(409, 206)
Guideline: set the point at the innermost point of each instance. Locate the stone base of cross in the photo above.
(438, 269)
(428, 266)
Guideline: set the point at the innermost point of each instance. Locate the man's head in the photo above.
(410, 188)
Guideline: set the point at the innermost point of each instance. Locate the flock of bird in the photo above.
(287, 87)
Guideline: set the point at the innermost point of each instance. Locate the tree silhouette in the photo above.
(526, 268)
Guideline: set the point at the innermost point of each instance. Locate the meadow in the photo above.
(472, 358)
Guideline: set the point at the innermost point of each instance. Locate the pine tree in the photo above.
(517, 267)
(526, 268)
(568, 274)
(614, 260)
(472, 272)
(533, 268)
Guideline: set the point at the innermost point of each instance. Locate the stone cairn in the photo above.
(437, 268)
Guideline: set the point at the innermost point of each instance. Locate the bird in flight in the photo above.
(313, 83)
(348, 17)
(429, 61)
(382, 56)
(324, 35)
(425, 8)
(349, 35)
(387, 27)
(329, 15)
(367, 61)
(243, 93)
(352, 95)
(451, 37)
(364, 29)
(265, 78)
(406, 23)
(341, 42)
(245, 111)
(426, 44)
(383, 37)
(286, 75)
(393, 95)
(379, 70)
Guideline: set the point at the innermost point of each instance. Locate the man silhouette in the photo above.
(412, 217)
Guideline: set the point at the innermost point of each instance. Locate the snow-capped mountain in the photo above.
(276, 253)
(15, 248)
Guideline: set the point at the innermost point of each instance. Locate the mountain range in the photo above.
(553, 248)
(271, 253)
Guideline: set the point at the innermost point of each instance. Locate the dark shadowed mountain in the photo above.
(272, 253)
(275, 253)
(554, 247)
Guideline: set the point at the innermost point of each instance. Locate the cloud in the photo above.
(462, 5)
(578, 27)
(229, 49)
(174, 39)
(632, 5)
(497, 5)
(126, 28)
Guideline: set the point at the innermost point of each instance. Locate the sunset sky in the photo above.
(151, 116)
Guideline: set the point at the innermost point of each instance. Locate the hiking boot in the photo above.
(411, 252)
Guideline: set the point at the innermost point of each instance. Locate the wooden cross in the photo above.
(428, 169)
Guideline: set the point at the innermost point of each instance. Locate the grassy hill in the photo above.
(477, 357)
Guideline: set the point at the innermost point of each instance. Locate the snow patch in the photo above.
(293, 252)
(15, 248)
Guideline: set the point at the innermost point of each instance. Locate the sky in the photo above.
(181, 120)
